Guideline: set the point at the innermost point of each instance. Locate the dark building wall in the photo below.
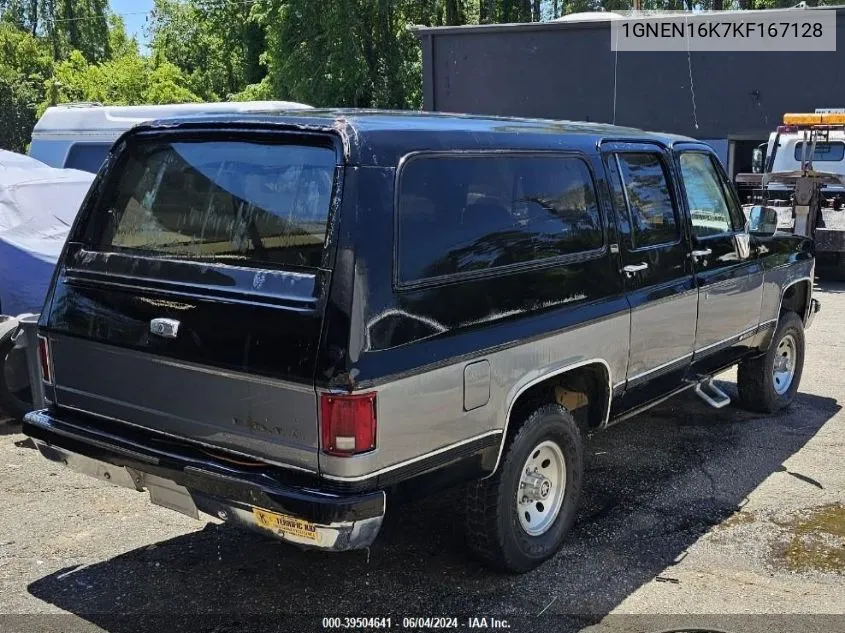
(566, 71)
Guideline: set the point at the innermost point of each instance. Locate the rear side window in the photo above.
(824, 152)
(461, 214)
(87, 156)
(239, 203)
(652, 213)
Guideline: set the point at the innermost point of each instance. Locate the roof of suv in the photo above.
(382, 137)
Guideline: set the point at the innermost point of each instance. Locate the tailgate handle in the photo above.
(166, 328)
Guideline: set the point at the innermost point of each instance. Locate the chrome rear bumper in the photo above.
(305, 517)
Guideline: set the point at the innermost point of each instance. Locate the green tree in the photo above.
(24, 62)
(216, 43)
(127, 80)
(70, 25)
(120, 43)
(348, 52)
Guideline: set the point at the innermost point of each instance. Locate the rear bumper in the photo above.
(186, 484)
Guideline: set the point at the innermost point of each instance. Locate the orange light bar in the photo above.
(794, 118)
(807, 118)
(833, 118)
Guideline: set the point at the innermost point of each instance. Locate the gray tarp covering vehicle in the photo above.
(38, 204)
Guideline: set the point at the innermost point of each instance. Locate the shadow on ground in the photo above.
(655, 484)
(829, 286)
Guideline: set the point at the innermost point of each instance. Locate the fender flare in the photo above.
(809, 297)
(551, 373)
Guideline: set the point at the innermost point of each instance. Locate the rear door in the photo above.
(656, 269)
(728, 272)
(190, 298)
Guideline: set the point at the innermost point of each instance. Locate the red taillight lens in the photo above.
(44, 359)
(348, 423)
(787, 129)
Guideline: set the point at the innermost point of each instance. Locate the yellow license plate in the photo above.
(285, 524)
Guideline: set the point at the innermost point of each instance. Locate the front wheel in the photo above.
(519, 517)
(769, 383)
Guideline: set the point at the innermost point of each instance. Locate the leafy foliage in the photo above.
(23, 63)
(215, 43)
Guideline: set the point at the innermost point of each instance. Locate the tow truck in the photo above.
(807, 197)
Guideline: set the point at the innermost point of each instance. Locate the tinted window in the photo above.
(463, 214)
(706, 196)
(652, 213)
(235, 202)
(827, 152)
(87, 156)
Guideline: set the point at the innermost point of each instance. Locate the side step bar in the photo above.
(711, 394)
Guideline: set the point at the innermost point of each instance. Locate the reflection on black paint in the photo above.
(505, 248)
(450, 309)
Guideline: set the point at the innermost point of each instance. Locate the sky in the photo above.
(133, 14)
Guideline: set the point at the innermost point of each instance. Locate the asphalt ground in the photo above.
(691, 516)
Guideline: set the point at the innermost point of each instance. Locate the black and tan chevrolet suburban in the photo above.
(288, 320)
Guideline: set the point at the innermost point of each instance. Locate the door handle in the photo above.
(702, 253)
(630, 269)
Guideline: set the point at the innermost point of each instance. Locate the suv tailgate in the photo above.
(189, 301)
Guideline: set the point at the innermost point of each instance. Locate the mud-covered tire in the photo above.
(494, 530)
(756, 382)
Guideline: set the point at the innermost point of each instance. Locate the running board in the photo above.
(711, 394)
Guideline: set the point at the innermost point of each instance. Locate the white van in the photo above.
(79, 135)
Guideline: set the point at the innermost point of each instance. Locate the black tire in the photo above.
(494, 532)
(15, 402)
(755, 381)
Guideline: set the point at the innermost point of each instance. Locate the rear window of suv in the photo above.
(238, 203)
(466, 214)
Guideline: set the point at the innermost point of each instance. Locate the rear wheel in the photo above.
(769, 383)
(519, 517)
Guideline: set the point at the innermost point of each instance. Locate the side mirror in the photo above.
(757, 161)
(762, 221)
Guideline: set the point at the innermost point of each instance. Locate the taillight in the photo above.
(348, 423)
(787, 129)
(44, 360)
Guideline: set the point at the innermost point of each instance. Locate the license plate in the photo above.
(285, 525)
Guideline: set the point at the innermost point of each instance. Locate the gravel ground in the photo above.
(691, 516)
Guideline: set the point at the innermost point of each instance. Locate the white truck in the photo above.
(790, 143)
(810, 148)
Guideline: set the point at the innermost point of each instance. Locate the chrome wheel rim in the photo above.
(783, 371)
(542, 485)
